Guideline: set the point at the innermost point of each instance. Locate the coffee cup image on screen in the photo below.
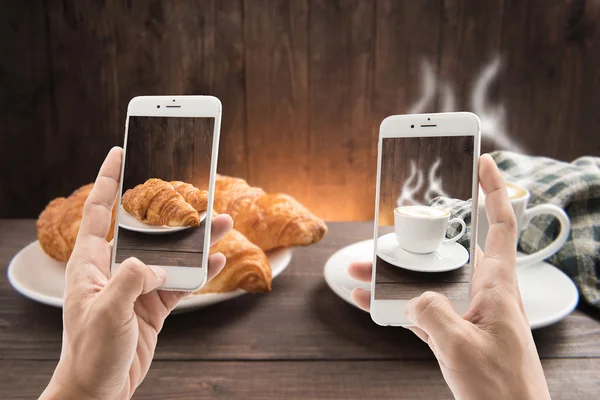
(162, 212)
(422, 241)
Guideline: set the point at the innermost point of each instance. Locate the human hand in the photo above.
(111, 325)
(489, 352)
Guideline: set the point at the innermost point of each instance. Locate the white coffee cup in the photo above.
(422, 229)
(519, 198)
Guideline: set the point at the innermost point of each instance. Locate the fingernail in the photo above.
(159, 272)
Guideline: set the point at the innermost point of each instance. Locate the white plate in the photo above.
(548, 294)
(448, 257)
(37, 276)
(131, 223)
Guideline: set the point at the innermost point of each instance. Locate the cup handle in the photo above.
(565, 227)
(460, 234)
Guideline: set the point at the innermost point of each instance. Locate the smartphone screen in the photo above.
(424, 200)
(164, 197)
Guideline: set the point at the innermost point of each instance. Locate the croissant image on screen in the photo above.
(162, 211)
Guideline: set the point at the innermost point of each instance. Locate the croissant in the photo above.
(247, 266)
(267, 220)
(155, 202)
(58, 224)
(195, 197)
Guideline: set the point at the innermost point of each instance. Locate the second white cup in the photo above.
(422, 229)
(519, 198)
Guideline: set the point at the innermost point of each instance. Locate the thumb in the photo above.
(132, 279)
(434, 314)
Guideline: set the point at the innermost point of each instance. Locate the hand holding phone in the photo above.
(426, 163)
(111, 325)
(487, 352)
(167, 187)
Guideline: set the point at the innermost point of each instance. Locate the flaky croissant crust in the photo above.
(156, 202)
(268, 220)
(193, 196)
(58, 224)
(247, 266)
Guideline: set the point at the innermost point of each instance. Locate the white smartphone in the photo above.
(168, 140)
(425, 211)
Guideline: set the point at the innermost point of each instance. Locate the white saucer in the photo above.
(131, 223)
(548, 294)
(448, 257)
(37, 276)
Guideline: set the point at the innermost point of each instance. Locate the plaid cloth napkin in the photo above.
(575, 187)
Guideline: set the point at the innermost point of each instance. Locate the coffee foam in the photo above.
(514, 192)
(421, 211)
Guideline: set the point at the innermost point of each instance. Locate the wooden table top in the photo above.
(299, 341)
(181, 249)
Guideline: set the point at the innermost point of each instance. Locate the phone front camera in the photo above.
(412, 126)
(157, 106)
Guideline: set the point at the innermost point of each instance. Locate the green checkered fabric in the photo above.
(575, 187)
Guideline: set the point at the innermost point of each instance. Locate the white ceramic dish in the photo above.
(548, 294)
(131, 223)
(448, 257)
(37, 276)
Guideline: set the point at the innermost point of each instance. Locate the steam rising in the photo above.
(493, 118)
(414, 184)
(493, 125)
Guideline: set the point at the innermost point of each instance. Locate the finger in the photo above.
(171, 298)
(479, 275)
(501, 242)
(97, 211)
(434, 314)
(419, 332)
(479, 255)
(220, 226)
(361, 271)
(132, 279)
(362, 299)
(216, 263)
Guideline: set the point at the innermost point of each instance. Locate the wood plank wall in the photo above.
(304, 83)
(172, 149)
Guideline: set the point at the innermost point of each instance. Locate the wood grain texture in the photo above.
(341, 141)
(301, 319)
(83, 91)
(407, 291)
(224, 77)
(27, 119)
(470, 36)
(387, 273)
(574, 379)
(550, 61)
(276, 65)
(188, 240)
(304, 84)
(172, 149)
(401, 52)
(393, 283)
(164, 258)
(179, 249)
